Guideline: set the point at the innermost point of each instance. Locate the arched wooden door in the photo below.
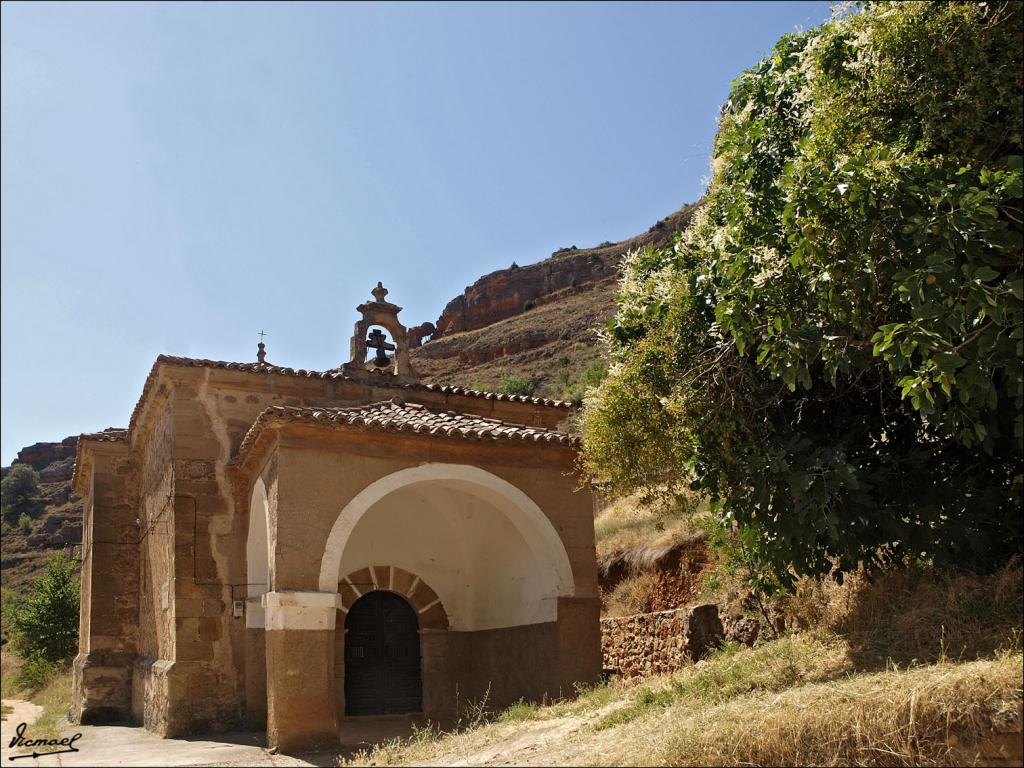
(382, 657)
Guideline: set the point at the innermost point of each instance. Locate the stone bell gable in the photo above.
(275, 547)
(385, 314)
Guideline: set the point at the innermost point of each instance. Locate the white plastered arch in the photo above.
(257, 548)
(528, 519)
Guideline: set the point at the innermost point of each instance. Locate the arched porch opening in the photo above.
(489, 571)
(488, 550)
(257, 557)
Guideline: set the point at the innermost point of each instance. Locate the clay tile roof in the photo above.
(267, 368)
(450, 390)
(111, 435)
(398, 416)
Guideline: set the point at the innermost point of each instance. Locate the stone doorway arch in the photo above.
(428, 615)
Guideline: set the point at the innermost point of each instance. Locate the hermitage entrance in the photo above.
(359, 543)
(410, 547)
(382, 657)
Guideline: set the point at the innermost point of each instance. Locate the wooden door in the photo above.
(382, 657)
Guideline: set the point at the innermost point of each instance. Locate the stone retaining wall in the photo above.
(654, 643)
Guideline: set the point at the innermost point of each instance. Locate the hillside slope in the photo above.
(537, 322)
(56, 515)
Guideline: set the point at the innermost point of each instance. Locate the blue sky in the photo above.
(176, 177)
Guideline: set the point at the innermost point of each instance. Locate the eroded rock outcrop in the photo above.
(55, 514)
(41, 455)
(512, 291)
(509, 292)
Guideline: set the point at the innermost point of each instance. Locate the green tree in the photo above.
(45, 622)
(17, 490)
(9, 603)
(832, 351)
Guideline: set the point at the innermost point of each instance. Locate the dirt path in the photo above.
(529, 745)
(114, 745)
(564, 739)
(21, 712)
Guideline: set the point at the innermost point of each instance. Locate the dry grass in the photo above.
(10, 667)
(731, 672)
(639, 533)
(55, 699)
(915, 614)
(634, 594)
(651, 553)
(54, 696)
(933, 715)
(791, 702)
(916, 667)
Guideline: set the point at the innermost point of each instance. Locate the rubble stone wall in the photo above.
(634, 647)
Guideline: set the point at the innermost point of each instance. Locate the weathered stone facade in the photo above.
(248, 508)
(648, 644)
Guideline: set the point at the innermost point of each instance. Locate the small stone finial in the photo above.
(379, 292)
(261, 353)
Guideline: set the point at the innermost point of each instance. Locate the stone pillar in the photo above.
(301, 700)
(255, 665)
(579, 642)
(108, 624)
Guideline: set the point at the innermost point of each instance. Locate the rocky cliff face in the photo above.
(510, 292)
(56, 514)
(537, 322)
(53, 461)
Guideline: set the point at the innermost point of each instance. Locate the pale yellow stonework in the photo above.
(230, 530)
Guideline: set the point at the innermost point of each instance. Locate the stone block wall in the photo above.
(102, 685)
(635, 647)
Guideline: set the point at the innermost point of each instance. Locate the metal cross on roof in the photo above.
(261, 349)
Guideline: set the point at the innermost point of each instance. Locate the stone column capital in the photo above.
(300, 610)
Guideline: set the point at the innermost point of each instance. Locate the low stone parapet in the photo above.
(655, 643)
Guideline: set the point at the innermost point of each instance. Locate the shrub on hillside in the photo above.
(9, 601)
(17, 490)
(511, 384)
(831, 352)
(589, 378)
(35, 671)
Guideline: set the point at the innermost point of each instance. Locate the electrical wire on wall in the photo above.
(162, 517)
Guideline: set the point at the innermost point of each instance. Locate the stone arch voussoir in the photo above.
(389, 578)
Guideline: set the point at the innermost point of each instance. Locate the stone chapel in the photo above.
(267, 547)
